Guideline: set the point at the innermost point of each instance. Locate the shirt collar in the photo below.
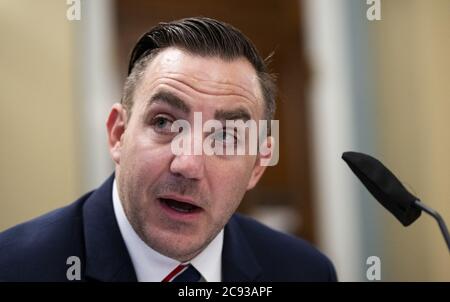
(151, 266)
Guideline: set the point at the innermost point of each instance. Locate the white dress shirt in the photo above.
(151, 266)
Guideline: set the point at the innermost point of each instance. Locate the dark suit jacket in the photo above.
(38, 250)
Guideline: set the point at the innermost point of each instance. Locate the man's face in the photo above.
(178, 203)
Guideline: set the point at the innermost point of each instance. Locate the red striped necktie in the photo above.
(183, 273)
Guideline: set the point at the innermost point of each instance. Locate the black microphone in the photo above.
(389, 191)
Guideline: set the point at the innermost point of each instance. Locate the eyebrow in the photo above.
(171, 100)
(236, 114)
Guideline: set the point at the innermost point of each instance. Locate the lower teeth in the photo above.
(180, 210)
(174, 206)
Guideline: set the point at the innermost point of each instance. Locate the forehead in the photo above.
(211, 76)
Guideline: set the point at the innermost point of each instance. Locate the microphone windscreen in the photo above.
(384, 186)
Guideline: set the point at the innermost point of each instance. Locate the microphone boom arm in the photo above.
(438, 218)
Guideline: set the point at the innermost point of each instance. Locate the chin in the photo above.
(176, 246)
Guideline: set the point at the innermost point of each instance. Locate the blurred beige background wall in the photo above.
(42, 165)
(413, 46)
(38, 153)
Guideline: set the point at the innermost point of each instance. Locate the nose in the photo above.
(189, 162)
(188, 166)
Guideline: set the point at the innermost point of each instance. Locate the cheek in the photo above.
(235, 170)
(229, 179)
(143, 158)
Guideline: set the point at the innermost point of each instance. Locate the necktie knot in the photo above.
(183, 273)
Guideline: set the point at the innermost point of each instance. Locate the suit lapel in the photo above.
(238, 260)
(107, 258)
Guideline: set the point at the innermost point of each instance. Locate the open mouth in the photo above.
(179, 206)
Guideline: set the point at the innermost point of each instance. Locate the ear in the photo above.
(264, 156)
(116, 125)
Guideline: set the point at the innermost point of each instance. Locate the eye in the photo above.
(225, 137)
(162, 123)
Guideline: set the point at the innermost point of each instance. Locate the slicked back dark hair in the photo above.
(199, 36)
